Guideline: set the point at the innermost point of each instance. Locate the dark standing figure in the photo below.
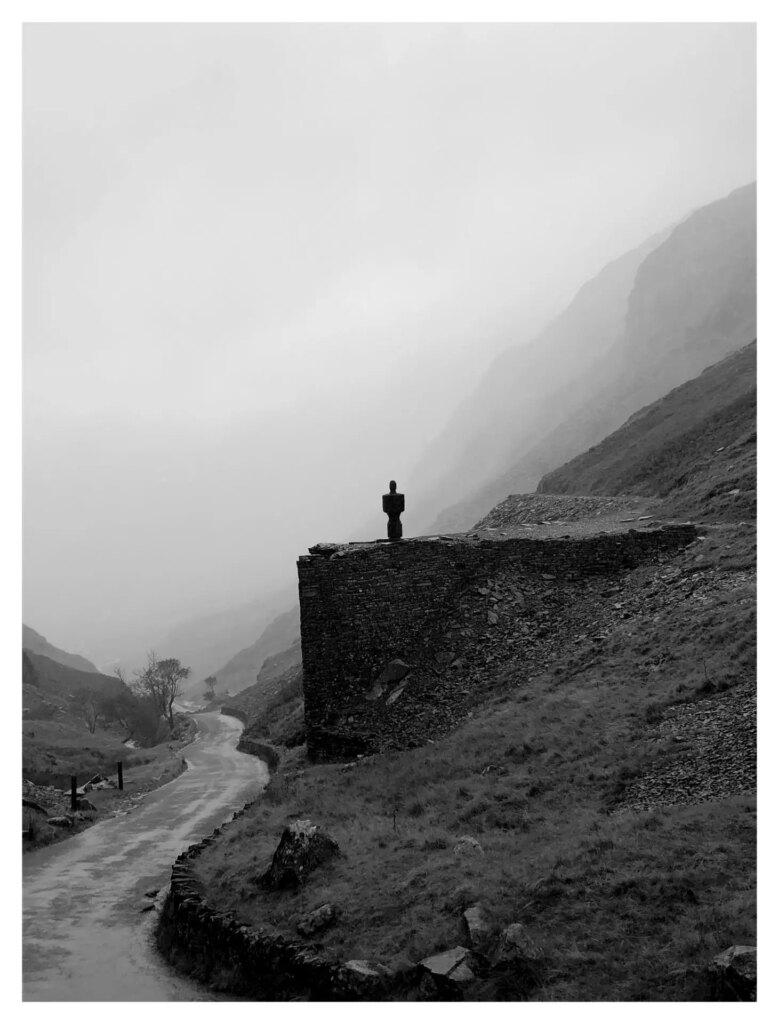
(393, 504)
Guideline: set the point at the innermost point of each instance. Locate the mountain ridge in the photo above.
(34, 641)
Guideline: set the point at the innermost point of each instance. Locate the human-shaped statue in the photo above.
(393, 504)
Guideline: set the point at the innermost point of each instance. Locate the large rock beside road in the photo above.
(302, 848)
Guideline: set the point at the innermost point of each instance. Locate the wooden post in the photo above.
(119, 773)
(73, 794)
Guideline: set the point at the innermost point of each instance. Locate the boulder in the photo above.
(467, 846)
(319, 919)
(733, 975)
(444, 963)
(302, 848)
(364, 978)
(479, 926)
(394, 672)
(452, 970)
(516, 946)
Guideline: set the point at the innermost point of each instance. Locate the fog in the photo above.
(263, 264)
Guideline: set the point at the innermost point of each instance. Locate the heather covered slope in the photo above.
(693, 301)
(33, 641)
(693, 447)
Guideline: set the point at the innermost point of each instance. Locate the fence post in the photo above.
(119, 773)
(73, 795)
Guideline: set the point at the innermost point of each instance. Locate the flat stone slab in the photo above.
(445, 963)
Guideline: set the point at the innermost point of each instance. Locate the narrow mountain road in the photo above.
(85, 934)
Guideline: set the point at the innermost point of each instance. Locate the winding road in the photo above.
(85, 934)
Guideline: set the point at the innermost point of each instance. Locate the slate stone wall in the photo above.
(248, 745)
(218, 951)
(363, 605)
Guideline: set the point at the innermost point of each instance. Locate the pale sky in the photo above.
(263, 265)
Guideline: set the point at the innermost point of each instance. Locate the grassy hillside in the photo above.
(274, 705)
(33, 641)
(595, 782)
(522, 395)
(694, 447)
(612, 802)
(242, 669)
(205, 643)
(692, 302)
(70, 728)
(57, 678)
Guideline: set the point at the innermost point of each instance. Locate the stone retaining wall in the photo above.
(364, 605)
(248, 745)
(216, 950)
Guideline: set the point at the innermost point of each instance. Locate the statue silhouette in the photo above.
(393, 504)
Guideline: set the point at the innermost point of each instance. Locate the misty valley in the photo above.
(455, 709)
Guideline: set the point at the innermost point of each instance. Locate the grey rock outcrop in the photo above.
(479, 926)
(318, 920)
(516, 946)
(302, 848)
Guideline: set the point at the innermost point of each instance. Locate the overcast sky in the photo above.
(264, 263)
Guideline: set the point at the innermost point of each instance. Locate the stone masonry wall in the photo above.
(363, 605)
(217, 950)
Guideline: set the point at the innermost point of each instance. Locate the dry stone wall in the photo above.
(217, 950)
(248, 744)
(364, 605)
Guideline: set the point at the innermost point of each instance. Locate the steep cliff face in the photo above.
(692, 302)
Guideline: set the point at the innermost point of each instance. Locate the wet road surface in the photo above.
(85, 937)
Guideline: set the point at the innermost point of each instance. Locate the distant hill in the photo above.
(522, 395)
(242, 669)
(33, 641)
(207, 642)
(54, 677)
(690, 301)
(696, 447)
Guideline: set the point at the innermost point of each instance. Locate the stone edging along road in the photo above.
(216, 950)
(247, 745)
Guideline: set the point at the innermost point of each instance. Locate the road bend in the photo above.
(86, 936)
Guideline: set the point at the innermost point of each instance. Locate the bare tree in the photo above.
(161, 682)
(88, 703)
